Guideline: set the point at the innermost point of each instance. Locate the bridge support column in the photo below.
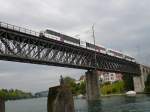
(2, 105)
(92, 85)
(138, 83)
(60, 99)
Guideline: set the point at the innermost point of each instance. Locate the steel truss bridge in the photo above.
(23, 45)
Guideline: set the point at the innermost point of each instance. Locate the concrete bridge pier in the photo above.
(138, 82)
(92, 85)
(2, 105)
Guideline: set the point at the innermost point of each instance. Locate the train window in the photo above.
(82, 43)
(61, 39)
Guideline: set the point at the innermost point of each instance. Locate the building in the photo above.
(109, 77)
(105, 77)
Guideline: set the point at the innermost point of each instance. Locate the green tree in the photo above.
(114, 88)
(83, 88)
(128, 82)
(69, 80)
(76, 89)
(14, 94)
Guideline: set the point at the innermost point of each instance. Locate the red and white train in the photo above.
(67, 39)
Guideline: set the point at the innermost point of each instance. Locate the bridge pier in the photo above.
(138, 82)
(92, 85)
(2, 105)
(60, 99)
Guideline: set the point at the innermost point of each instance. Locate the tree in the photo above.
(114, 88)
(76, 89)
(83, 87)
(128, 82)
(14, 94)
(69, 80)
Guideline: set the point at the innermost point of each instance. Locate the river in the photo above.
(139, 103)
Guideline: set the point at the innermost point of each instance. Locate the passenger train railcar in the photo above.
(100, 49)
(61, 37)
(115, 53)
(129, 58)
(67, 39)
(120, 55)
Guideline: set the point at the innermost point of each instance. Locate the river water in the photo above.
(139, 103)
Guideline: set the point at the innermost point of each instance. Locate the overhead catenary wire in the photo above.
(93, 35)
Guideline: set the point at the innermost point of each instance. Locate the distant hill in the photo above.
(41, 94)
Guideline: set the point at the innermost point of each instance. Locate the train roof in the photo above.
(93, 46)
(126, 55)
(115, 51)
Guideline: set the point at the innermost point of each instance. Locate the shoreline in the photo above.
(123, 94)
(113, 95)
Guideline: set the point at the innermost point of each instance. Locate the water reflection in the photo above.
(139, 103)
(94, 106)
(148, 95)
(129, 99)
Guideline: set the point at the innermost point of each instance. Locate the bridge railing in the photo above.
(20, 29)
(31, 32)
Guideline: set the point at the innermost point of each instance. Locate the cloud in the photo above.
(32, 77)
(119, 24)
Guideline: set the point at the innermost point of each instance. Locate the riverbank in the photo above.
(14, 94)
(123, 94)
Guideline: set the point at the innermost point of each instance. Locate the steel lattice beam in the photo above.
(22, 47)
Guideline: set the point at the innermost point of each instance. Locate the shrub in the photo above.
(116, 87)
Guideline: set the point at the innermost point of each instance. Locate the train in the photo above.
(77, 42)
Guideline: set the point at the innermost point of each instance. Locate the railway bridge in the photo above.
(26, 46)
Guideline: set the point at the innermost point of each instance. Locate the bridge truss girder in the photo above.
(21, 47)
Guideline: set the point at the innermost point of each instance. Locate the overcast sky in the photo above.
(119, 24)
